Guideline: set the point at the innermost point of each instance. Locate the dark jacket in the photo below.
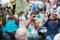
(52, 29)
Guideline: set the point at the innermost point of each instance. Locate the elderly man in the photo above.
(57, 37)
(21, 34)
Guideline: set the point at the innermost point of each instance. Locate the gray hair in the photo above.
(57, 37)
(21, 32)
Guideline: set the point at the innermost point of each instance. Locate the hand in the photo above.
(5, 12)
(56, 16)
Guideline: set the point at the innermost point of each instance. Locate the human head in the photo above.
(21, 33)
(57, 37)
(52, 16)
(32, 15)
(37, 10)
(10, 18)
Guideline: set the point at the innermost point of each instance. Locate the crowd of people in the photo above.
(40, 14)
(43, 14)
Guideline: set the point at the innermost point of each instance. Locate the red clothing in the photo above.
(54, 3)
(53, 22)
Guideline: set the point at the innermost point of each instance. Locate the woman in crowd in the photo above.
(32, 26)
(39, 16)
(52, 24)
(10, 27)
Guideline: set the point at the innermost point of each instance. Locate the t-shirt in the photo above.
(53, 22)
(10, 26)
(32, 30)
(1, 19)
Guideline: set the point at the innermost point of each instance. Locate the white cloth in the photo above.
(37, 2)
(5, 1)
(58, 11)
(40, 4)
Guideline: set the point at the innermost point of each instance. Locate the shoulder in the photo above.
(47, 21)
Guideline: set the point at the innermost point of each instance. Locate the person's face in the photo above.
(52, 17)
(37, 10)
(33, 16)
